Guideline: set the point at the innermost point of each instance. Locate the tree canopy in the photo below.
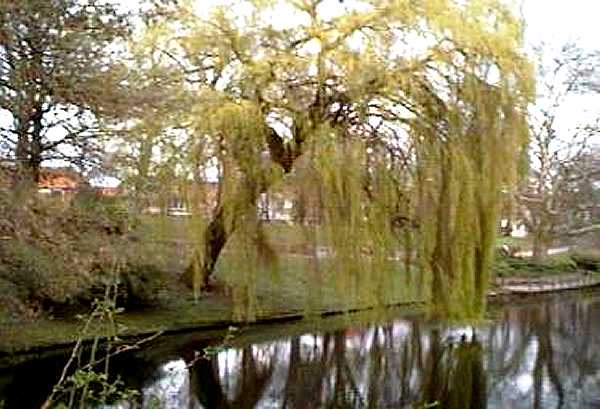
(400, 120)
(397, 126)
(58, 79)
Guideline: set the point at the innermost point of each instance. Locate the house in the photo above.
(203, 198)
(108, 191)
(183, 199)
(276, 206)
(60, 182)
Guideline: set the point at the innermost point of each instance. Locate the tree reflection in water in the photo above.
(384, 366)
(534, 355)
(544, 355)
(253, 373)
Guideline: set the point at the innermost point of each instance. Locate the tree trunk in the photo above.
(28, 152)
(143, 172)
(281, 153)
(539, 245)
(22, 152)
(215, 239)
(35, 158)
(216, 233)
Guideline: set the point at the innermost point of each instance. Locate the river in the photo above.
(538, 352)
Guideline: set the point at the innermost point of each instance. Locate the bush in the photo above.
(40, 274)
(61, 256)
(144, 285)
(501, 267)
(587, 260)
(91, 212)
(12, 305)
(507, 266)
(30, 275)
(139, 286)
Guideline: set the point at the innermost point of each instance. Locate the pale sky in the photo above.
(559, 21)
(554, 22)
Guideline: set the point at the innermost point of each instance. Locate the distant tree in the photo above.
(150, 148)
(58, 79)
(558, 196)
(580, 190)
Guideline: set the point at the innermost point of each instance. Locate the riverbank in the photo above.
(519, 285)
(216, 312)
(212, 312)
(399, 335)
(40, 293)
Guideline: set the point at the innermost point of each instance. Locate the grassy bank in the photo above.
(210, 312)
(55, 259)
(551, 265)
(52, 269)
(280, 301)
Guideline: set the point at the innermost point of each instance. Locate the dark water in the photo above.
(539, 353)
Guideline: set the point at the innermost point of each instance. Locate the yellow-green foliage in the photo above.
(409, 116)
(467, 172)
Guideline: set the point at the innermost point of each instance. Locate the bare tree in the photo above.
(552, 203)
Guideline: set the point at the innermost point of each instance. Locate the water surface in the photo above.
(538, 353)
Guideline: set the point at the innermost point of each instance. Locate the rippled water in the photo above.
(542, 353)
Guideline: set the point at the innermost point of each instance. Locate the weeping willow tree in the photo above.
(462, 179)
(399, 123)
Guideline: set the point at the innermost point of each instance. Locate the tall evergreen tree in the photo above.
(58, 79)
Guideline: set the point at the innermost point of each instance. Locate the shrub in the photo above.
(12, 305)
(506, 266)
(60, 256)
(588, 260)
(140, 285)
(501, 266)
(41, 274)
(91, 212)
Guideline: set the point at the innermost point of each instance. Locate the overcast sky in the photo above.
(559, 21)
(554, 22)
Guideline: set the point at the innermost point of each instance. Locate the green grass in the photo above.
(284, 295)
(528, 267)
(588, 259)
(289, 286)
(186, 314)
(516, 242)
(289, 291)
(551, 265)
(46, 332)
